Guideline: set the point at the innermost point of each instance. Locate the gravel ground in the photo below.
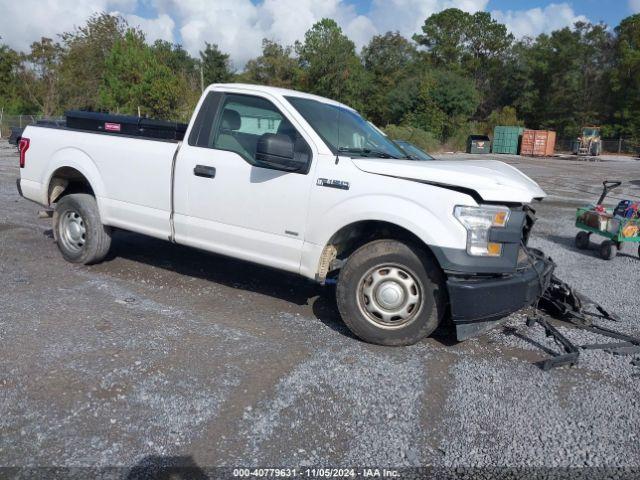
(164, 353)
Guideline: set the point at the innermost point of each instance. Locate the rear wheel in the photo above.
(582, 240)
(78, 231)
(390, 293)
(608, 250)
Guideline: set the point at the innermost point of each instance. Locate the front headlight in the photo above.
(478, 221)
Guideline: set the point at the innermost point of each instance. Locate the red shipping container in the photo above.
(538, 143)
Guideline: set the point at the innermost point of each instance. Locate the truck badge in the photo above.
(340, 184)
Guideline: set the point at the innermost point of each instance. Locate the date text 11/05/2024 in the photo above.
(316, 472)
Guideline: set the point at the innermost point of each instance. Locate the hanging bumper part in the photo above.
(561, 302)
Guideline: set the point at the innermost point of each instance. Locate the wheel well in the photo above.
(351, 237)
(65, 181)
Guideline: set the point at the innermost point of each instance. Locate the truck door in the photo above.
(226, 203)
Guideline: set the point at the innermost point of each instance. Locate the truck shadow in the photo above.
(242, 275)
(230, 272)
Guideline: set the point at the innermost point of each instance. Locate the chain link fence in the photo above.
(7, 122)
(623, 146)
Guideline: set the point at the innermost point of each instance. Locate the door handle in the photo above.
(204, 171)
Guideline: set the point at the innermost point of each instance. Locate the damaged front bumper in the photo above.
(477, 303)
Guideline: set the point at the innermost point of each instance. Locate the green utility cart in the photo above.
(619, 226)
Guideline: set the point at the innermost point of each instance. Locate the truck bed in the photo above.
(130, 174)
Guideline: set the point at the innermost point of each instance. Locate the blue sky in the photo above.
(238, 26)
(610, 12)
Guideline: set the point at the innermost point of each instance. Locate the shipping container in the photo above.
(538, 143)
(506, 139)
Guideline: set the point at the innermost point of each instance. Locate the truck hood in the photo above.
(494, 181)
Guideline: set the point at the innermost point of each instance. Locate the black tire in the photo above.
(424, 275)
(608, 250)
(88, 247)
(582, 240)
(638, 250)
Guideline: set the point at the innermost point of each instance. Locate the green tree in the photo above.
(403, 97)
(276, 66)
(457, 39)
(186, 71)
(216, 66)
(329, 64)
(40, 74)
(135, 78)
(445, 35)
(387, 55)
(12, 95)
(445, 102)
(474, 45)
(161, 94)
(501, 116)
(486, 40)
(83, 60)
(176, 58)
(563, 78)
(389, 59)
(626, 77)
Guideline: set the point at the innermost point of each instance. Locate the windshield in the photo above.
(344, 131)
(590, 132)
(416, 153)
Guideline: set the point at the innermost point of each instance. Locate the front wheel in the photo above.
(389, 293)
(78, 230)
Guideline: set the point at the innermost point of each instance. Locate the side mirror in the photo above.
(277, 151)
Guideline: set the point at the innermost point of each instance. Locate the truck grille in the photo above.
(530, 219)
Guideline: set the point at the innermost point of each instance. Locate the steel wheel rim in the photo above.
(73, 232)
(389, 296)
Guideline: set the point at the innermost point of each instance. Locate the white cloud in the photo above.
(634, 6)
(123, 5)
(159, 28)
(238, 26)
(408, 16)
(530, 23)
(23, 22)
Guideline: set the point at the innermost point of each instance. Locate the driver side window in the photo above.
(245, 119)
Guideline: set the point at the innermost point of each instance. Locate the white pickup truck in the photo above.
(304, 184)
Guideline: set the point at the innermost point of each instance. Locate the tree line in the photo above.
(463, 73)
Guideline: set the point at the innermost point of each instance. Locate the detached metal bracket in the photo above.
(561, 302)
(572, 352)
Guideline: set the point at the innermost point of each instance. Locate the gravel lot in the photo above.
(167, 352)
